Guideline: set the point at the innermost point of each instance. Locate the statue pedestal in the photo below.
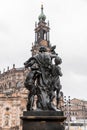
(43, 120)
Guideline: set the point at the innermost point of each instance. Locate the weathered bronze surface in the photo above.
(43, 80)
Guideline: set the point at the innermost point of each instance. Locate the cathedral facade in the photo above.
(13, 97)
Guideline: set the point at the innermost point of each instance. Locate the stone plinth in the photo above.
(43, 120)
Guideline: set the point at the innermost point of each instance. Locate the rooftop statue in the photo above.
(43, 79)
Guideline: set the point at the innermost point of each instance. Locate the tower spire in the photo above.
(42, 17)
(42, 9)
(42, 31)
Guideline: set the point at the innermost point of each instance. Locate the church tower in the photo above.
(41, 33)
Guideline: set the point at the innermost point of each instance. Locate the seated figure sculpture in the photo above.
(43, 79)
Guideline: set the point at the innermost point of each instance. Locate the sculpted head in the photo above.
(58, 60)
(42, 49)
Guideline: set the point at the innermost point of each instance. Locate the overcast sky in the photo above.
(68, 23)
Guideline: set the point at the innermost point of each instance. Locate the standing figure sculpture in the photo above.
(43, 79)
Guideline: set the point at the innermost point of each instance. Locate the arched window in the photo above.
(45, 37)
(0, 88)
(6, 120)
(9, 84)
(5, 86)
(73, 113)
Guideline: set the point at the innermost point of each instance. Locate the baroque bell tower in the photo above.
(41, 33)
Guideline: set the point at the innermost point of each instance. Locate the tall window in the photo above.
(45, 38)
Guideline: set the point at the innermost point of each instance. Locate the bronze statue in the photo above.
(43, 79)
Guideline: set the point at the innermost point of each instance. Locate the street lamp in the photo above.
(67, 109)
(84, 110)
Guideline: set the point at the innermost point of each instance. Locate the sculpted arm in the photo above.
(29, 62)
(60, 72)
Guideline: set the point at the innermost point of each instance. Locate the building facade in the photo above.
(79, 108)
(74, 109)
(13, 98)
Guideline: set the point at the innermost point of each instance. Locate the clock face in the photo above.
(44, 43)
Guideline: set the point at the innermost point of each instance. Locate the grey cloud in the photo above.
(4, 27)
(76, 64)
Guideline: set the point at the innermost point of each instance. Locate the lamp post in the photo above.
(84, 112)
(67, 109)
